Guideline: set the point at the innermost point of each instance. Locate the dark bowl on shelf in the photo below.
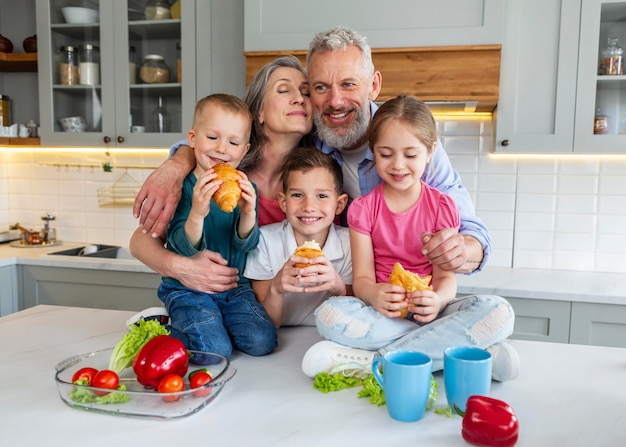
(30, 44)
(6, 45)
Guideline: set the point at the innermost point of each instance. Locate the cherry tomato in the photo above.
(105, 379)
(86, 375)
(171, 383)
(199, 378)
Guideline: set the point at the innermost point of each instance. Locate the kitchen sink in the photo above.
(95, 251)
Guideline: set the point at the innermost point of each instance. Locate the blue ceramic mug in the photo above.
(405, 379)
(466, 372)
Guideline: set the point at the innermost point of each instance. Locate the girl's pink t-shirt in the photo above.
(396, 237)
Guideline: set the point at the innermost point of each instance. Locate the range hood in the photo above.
(459, 79)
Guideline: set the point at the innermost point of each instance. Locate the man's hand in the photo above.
(208, 272)
(159, 195)
(452, 251)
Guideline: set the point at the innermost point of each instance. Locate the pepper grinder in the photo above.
(49, 234)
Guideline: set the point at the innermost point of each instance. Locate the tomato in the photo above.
(85, 375)
(199, 378)
(171, 383)
(105, 379)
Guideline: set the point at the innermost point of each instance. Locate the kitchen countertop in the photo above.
(38, 255)
(562, 285)
(570, 395)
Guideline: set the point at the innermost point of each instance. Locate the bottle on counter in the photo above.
(5, 110)
(612, 62)
(89, 65)
(159, 117)
(132, 65)
(68, 66)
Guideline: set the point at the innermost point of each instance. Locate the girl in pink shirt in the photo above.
(389, 225)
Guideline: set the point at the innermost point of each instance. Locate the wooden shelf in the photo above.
(15, 141)
(18, 62)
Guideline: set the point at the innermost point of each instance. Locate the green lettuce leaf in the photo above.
(86, 396)
(326, 383)
(131, 343)
(370, 387)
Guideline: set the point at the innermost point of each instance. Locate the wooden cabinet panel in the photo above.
(8, 290)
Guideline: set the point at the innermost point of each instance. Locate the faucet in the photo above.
(48, 233)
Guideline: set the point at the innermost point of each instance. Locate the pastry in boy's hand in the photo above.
(410, 281)
(229, 191)
(310, 249)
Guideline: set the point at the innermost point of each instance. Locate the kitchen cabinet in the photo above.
(541, 320)
(550, 89)
(8, 290)
(102, 289)
(396, 23)
(113, 102)
(598, 324)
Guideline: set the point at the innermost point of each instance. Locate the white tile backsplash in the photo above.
(546, 212)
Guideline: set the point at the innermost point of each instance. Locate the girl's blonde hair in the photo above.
(409, 110)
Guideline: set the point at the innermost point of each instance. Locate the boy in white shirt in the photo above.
(312, 198)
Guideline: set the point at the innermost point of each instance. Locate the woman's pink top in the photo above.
(396, 237)
(269, 211)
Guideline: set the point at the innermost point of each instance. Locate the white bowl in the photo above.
(73, 124)
(74, 14)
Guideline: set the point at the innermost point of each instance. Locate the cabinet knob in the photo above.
(107, 140)
(120, 140)
(505, 142)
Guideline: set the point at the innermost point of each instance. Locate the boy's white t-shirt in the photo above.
(277, 243)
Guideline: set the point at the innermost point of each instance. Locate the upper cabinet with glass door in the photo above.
(125, 71)
(601, 101)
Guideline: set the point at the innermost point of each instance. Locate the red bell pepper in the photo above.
(489, 422)
(162, 355)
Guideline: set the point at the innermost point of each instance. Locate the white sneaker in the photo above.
(504, 362)
(151, 313)
(330, 357)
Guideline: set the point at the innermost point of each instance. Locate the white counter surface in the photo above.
(563, 285)
(566, 395)
(38, 255)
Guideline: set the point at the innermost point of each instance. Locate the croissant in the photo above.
(229, 191)
(310, 249)
(410, 281)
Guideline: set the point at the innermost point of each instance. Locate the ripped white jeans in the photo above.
(474, 320)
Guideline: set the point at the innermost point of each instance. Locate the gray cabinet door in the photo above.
(114, 104)
(535, 112)
(290, 24)
(8, 290)
(541, 320)
(101, 289)
(598, 324)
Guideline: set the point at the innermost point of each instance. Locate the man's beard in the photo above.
(349, 140)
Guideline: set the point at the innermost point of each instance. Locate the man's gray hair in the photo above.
(340, 38)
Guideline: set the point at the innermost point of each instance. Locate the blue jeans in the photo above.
(476, 320)
(215, 323)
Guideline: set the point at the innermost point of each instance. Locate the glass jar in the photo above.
(157, 10)
(612, 62)
(154, 70)
(68, 66)
(179, 65)
(5, 110)
(88, 65)
(600, 123)
(132, 65)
